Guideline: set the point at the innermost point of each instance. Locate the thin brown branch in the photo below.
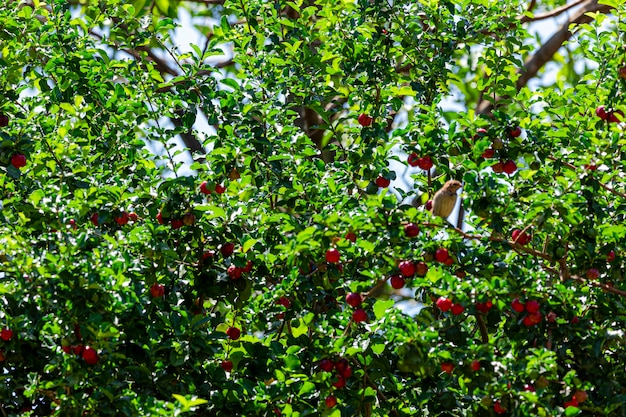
(603, 287)
(551, 13)
(482, 327)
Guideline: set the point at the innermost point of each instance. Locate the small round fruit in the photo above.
(227, 249)
(340, 382)
(407, 268)
(411, 230)
(509, 167)
(397, 282)
(122, 219)
(622, 73)
(532, 318)
(157, 290)
(441, 255)
(425, 163)
(346, 372)
(449, 261)
(18, 160)
(382, 182)
(219, 188)
(90, 355)
(518, 306)
(284, 301)
(330, 401)
(532, 306)
(351, 236)
(484, 307)
(234, 272)
(592, 274)
(227, 365)
(133, 216)
(610, 257)
(498, 167)
(475, 365)
(4, 120)
(457, 309)
(520, 237)
(332, 255)
(233, 333)
(327, 365)
(515, 132)
(6, 334)
(204, 188)
(365, 120)
(359, 315)
(341, 365)
(447, 367)
(581, 396)
(413, 159)
(444, 304)
(489, 153)
(160, 218)
(176, 224)
(354, 299)
(497, 408)
(601, 112)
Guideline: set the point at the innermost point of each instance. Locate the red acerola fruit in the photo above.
(515, 132)
(429, 205)
(601, 112)
(480, 132)
(248, 267)
(90, 355)
(411, 230)
(447, 367)
(227, 365)
(94, 219)
(227, 249)
(497, 408)
(498, 167)
(520, 237)
(518, 306)
(204, 188)
(233, 333)
(489, 153)
(484, 307)
(581, 396)
(529, 388)
(354, 299)
(457, 309)
(340, 382)
(449, 261)
(475, 365)
(509, 167)
(18, 160)
(133, 216)
(346, 372)
(444, 304)
(330, 401)
(592, 274)
(532, 306)
(610, 257)
(234, 272)
(327, 365)
(122, 219)
(532, 318)
(160, 218)
(176, 224)
(341, 365)
(359, 315)
(4, 120)
(425, 163)
(421, 268)
(572, 403)
(219, 188)
(413, 159)
(407, 268)
(332, 255)
(397, 282)
(284, 301)
(67, 349)
(365, 120)
(351, 236)
(382, 182)
(612, 116)
(157, 290)
(441, 255)
(6, 334)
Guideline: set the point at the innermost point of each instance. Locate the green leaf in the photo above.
(381, 306)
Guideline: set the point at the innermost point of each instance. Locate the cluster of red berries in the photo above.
(89, 354)
(354, 299)
(204, 188)
(445, 304)
(521, 237)
(188, 219)
(503, 165)
(610, 115)
(423, 162)
(365, 120)
(531, 307)
(343, 371)
(120, 220)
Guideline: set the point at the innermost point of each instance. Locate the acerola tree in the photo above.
(255, 279)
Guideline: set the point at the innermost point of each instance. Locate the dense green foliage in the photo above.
(117, 278)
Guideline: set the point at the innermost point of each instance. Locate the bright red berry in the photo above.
(18, 160)
(234, 272)
(518, 306)
(157, 290)
(346, 372)
(532, 306)
(6, 334)
(489, 153)
(176, 224)
(219, 188)
(498, 167)
(284, 301)
(365, 120)
(204, 189)
(397, 282)
(447, 367)
(248, 267)
(411, 230)
(497, 407)
(475, 365)
(340, 383)
(382, 182)
(233, 333)
(90, 355)
(572, 403)
(509, 167)
(484, 307)
(610, 257)
(444, 304)
(227, 365)
(327, 365)
(425, 163)
(457, 309)
(359, 315)
(601, 113)
(160, 218)
(407, 268)
(593, 274)
(532, 318)
(94, 219)
(332, 255)
(515, 132)
(351, 236)
(354, 299)
(133, 216)
(122, 219)
(520, 237)
(441, 255)
(330, 401)
(413, 159)
(227, 249)
(421, 268)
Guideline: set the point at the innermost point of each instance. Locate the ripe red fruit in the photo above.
(227, 249)
(4, 120)
(413, 159)
(219, 188)
(346, 372)
(351, 236)
(382, 182)
(332, 255)
(447, 367)
(421, 269)
(204, 189)
(90, 355)
(572, 403)
(429, 205)
(411, 230)
(529, 388)
(340, 382)
(233, 333)
(497, 407)
(457, 309)
(227, 365)
(122, 219)
(444, 304)
(234, 272)
(176, 224)
(6, 334)
(359, 315)
(480, 132)
(610, 257)
(515, 132)
(18, 160)
(612, 116)
(397, 282)
(407, 268)
(133, 216)
(475, 365)
(484, 307)
(248, 267)
(593, 274)
(581, 396)
(78, 349)
(448, 262)
(157, 290)
(327, 365)
(532, 306)
(284, 301)
(67, 349)
(509, 167)
(330, 401)
(498, 167)
(601, 112)
(425, 163)
(518, 306)
(354, 299)
(365, 120)
(532, 318)
(489, 153)
(441, 255)
(160, 218)
(520, 237)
